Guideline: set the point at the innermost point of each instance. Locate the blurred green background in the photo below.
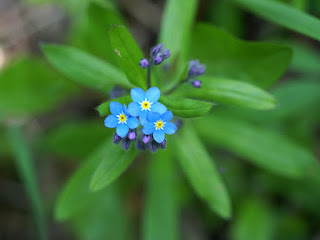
(49, 125)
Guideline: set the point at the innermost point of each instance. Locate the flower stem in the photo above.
(149, 76)
(176, 86)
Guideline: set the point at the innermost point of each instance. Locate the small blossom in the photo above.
(120, 119)
(144, 102)
(140, 145)
(158, 125)
(163, 145)
(158, 54)
(144, 63)
(165, 54)
(153, 146)
(196, 83)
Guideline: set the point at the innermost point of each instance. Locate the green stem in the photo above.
(26, 171)
(176, 86)
(149, 76)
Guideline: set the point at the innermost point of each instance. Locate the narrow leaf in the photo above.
(156, 218)
(84, 68)
(128, 55)
(186, 108)
(257, 214)
(178, 18)
(27, 173)
(76, 194)
(264, 148)
(225, 56)
(104, 109)
(201, 171)
(284, 15)
(113, 164)
(231, 92)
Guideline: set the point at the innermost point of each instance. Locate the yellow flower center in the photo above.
(145, 105)
(159, 124)
(122, 118)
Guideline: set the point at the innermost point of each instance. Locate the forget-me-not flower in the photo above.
(120, 119)
(145, 102)
(158, 125)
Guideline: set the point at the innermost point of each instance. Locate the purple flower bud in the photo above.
(153, 146)
(144, 63)
(155, 50)
(126, 143)
(192, 72)
(193, 63)
(157, 60)
(146, 139)
(165, 54)
(140, 145)
(201, 70)
(163, 145)
(116, 138)
(132, 135)
(196, 83)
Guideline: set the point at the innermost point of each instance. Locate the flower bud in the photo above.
(144, 63)
(116, 138)
(163, 145)
(157, 60)
(196, 83)
(153, 146)
(165, 54)
(201, 70)
(132, 135)
(126, 143)
(146, 139)
(140, 145)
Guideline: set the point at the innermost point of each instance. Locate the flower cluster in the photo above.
(157, 55)
(153, 117)
(195, 70)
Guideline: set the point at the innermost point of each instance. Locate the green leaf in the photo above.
(254, 221)
(29, 87)
(161, 211)
(264, 148)
(201, 171)
(24, 164)
(285, 16)
(104, 109)
(261, 64)
(112, 165)
(84, 68)
(186, 108)
(128, 55)
(178, 18)
(105, 217)
(231, 92)
(76, 139)
(76, 194)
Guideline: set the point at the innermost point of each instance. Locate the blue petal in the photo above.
(167, 116)
(153, 117)
(111, 121)
(122, 130)
(148, 128)
(143, 117)
(158, 107)
(134, 109)
(137, 94)
(158, 136)
(153, 94)
(115, 108)
(170, 128)
(132, 122)
(125, 110)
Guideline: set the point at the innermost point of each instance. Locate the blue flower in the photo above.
(120, 119)
(145, 102)
(159, 125)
